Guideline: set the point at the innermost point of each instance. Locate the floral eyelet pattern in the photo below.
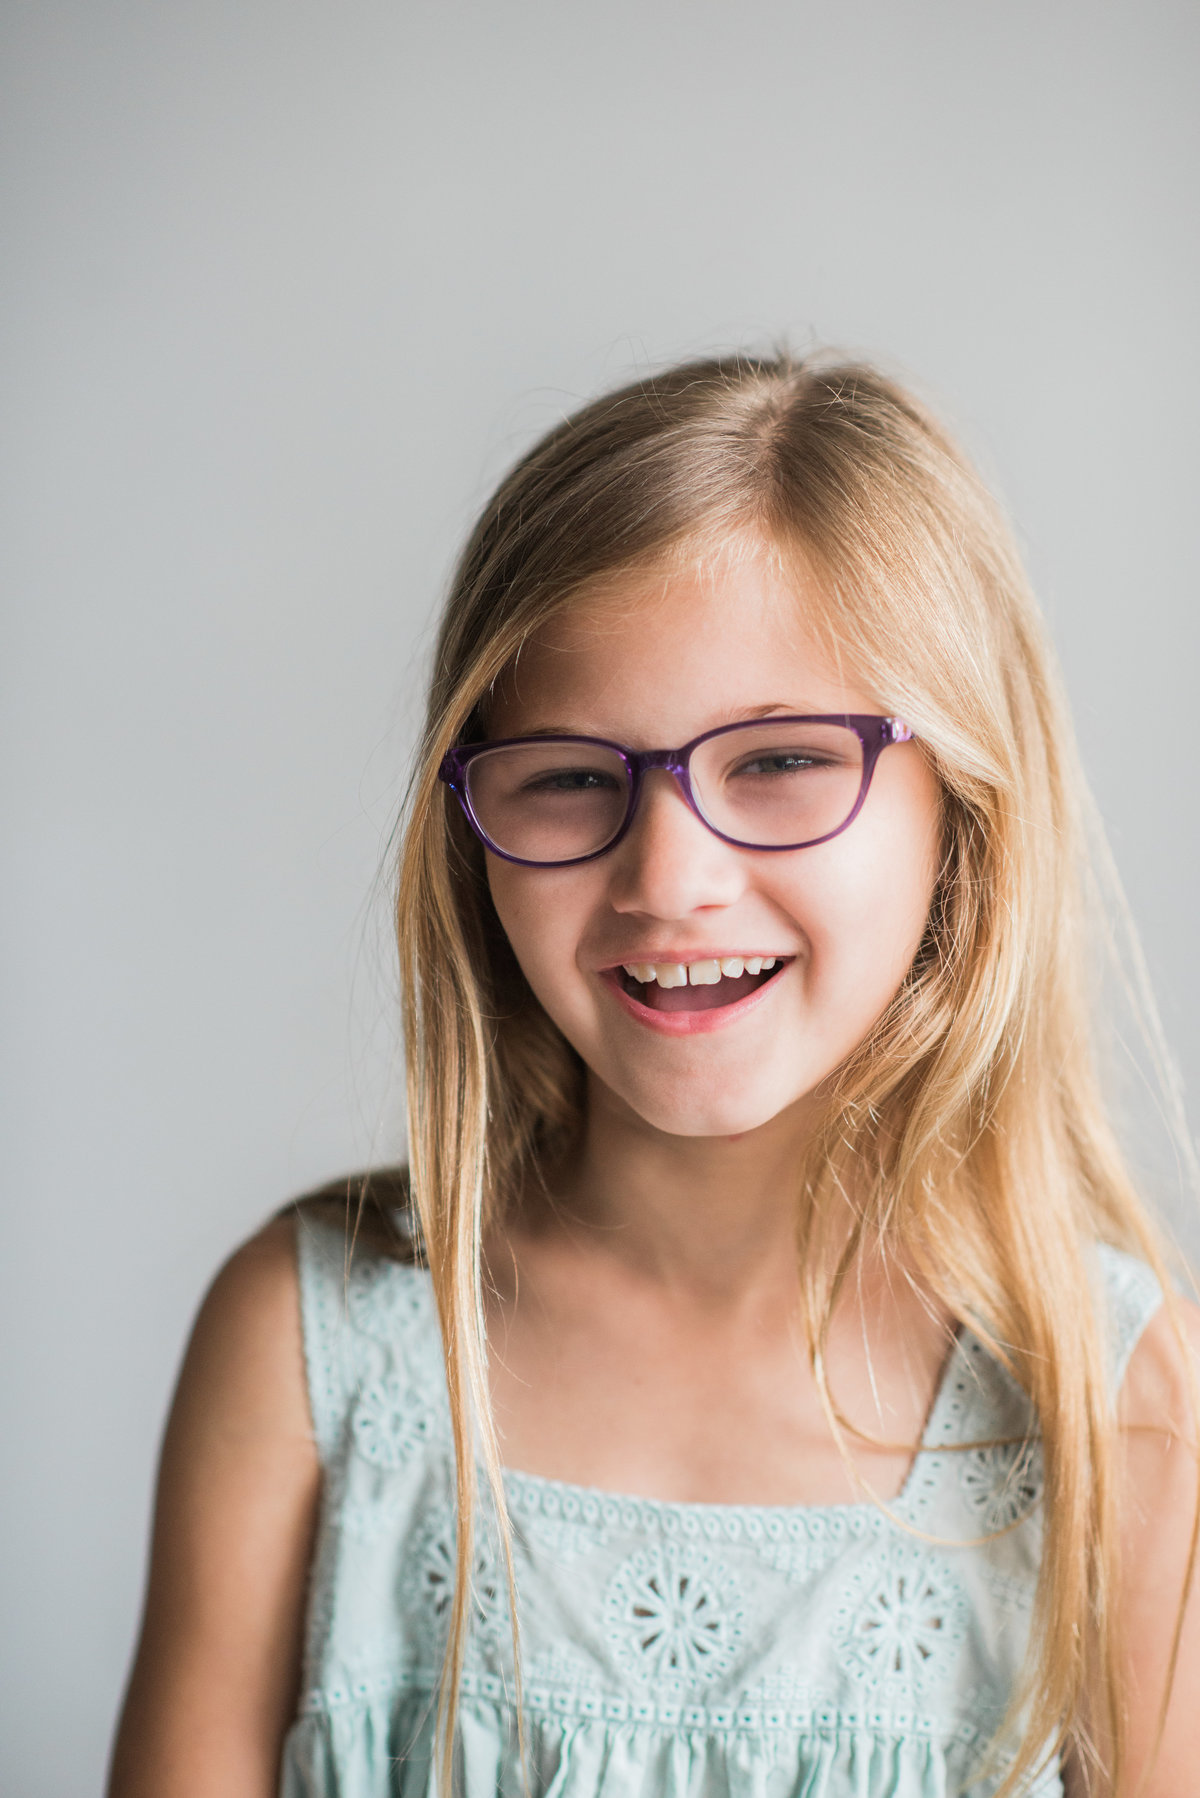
(1002, 1482)
(673, 1613)
(380, 1303)
(431, 1586)
(901, 1620)
(391, 1422)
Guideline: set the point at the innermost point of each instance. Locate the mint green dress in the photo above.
(669, 1650)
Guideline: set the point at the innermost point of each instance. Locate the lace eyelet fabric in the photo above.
(674, 1615)
(668, 1650)
(430, 1589)
(1002, 1482)
(392, 1421)
(381, 1299)
(901, 1620)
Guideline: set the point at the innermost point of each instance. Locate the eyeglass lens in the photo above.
(765, 785)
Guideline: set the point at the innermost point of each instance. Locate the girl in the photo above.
(757, 1170)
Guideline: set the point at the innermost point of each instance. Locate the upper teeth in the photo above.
(697, 973)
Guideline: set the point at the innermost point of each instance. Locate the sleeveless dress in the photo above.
(668, 1650)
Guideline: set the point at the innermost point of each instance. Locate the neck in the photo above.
(714, 1217)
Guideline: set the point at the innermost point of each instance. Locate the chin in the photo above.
(708, 1114)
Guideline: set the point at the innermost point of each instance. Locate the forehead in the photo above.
(658, 656)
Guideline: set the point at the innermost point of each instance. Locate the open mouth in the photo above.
(697, 986)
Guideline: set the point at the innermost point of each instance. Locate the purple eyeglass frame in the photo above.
(875, 733)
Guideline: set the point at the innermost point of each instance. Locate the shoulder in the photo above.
(1162, 1380)
(239, 1437)
(258, 1284)
(247, 1343)
(1157, 1618)
(215, 1677)
(1156, 1351)
(288, 1322)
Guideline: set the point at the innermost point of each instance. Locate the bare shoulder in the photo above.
(215, 1679)
(247, 1349)
(1157, 1617)
(1162, 1384)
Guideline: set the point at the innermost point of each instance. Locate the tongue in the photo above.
(698, 998)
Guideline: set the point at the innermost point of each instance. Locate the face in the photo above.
(653, 664)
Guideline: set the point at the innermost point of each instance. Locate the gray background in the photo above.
(285, 288)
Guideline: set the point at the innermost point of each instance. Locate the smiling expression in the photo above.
(635, 955)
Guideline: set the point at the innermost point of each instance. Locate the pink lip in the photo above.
(685, 1023)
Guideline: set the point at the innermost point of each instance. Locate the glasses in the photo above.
(775, 783)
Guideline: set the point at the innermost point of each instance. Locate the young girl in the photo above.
(765, 1381)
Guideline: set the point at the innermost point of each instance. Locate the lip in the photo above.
(687, 1023)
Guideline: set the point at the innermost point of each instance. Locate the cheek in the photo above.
(864, 912)
(542, 914)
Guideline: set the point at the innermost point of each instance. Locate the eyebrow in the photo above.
(763, 711)
(742, 715)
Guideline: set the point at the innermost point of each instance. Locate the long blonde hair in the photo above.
(969, 1131)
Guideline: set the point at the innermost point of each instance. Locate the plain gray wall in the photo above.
(285, 287)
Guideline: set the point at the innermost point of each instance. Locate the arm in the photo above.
(1157, 1492)
(214, 1682)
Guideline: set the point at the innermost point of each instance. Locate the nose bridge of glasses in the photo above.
(673, 760)
(669, 761)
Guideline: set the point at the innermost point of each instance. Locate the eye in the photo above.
(783, 761)
(570, 780)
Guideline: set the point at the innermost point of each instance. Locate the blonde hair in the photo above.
(969, 1131)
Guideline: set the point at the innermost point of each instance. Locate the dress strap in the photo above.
(322, 1269)
(1131, 1296)
(371, 1346)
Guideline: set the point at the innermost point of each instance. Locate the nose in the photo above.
(670, 864)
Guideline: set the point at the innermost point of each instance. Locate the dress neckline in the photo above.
(540, 1491)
